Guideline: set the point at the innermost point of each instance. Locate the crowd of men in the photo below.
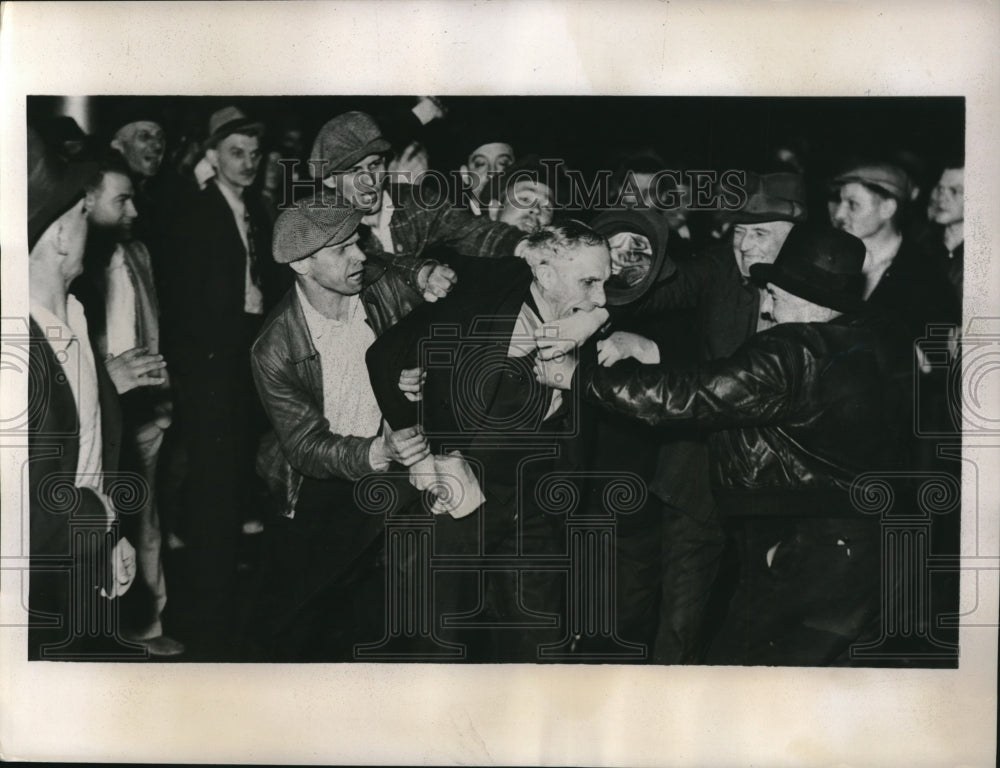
(232, 347)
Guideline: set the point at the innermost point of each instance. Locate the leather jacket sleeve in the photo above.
(303, 431)
(764, 382)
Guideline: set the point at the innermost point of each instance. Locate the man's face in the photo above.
(142, 145)
(947, 203)
(527, 206)
(110, 206)
(485, 161)
(236, 160)
(575, 283)
(338, 268)
(779, 306)
(859, 211)
(758, 243)
(362, 184)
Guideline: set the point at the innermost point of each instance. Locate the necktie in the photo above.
(252, 248)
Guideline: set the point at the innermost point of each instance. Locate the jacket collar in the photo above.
(300, 346)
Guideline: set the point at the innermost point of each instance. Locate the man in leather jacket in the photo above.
(309, 367)
(795, 414)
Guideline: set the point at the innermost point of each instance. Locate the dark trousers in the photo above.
(813, 601)
(321, 590)
(666, 573)
(498, 614)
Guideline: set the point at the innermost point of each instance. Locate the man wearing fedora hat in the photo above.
(794, 415)
(78, 561)
(328, 431)
(221, 282)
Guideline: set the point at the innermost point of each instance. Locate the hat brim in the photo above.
(762, 274)
(240, 125)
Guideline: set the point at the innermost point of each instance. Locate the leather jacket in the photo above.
(288, 375)
(795, 414)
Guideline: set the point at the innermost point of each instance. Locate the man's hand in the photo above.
(411, 383)
(423, 473)
(406, 446)
(456, 490)
(561, 336)
(136, 368)
(557, 371)
(621, 346)
(435, 281)
(122, 568)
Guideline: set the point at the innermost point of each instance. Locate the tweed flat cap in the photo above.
(346, 139)
(303, 230)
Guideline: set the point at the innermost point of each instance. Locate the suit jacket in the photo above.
(476, 399)
(70, 548)
(204, 296)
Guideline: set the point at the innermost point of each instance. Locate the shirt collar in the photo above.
(316, 322)
(58, 334)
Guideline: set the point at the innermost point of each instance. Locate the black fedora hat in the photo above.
(819, 265)
(54, 186)
(653, 225)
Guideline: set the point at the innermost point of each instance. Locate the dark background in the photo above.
(591, 132)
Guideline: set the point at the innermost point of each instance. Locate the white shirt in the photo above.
(379, 222)
(120, 309)
(348, 400)
(72, 350)
(253, 299)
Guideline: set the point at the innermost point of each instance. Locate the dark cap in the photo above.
(54, 186)
(889, 178)
(311, 225)
(345, 140)
(772, 197)
(819, 265)
(134, 110)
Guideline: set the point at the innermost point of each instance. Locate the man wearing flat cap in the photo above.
(870, 201)
(349, 156)
(794, 416)
(78, 561)
(309, 367)
(221, 282)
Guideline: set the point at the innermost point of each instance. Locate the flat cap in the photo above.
(345, 140)
(890, 178)
(311, 225)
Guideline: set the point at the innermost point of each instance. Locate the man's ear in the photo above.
(888, 208)
(302, 266)
(545, 274)
(212, 155)
(117, 144)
